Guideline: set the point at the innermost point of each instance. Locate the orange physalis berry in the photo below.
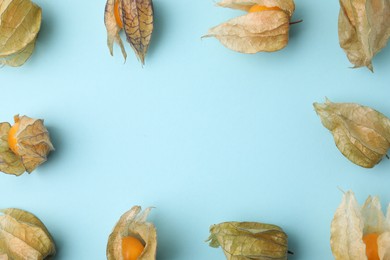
(371, 241)
(131, 248)
(260, 8)
(12, 141)
(116, 14)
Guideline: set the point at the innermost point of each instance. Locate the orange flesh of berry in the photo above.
(260, 8)
(371, 241)
(12, 142)
(131, 248)
(116, 14)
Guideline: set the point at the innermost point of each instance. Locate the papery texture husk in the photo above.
(24, 237)
(383, 245)
(133, 223)
(138, 25)
(286, 5)
(137, 19)
(351, 222)
(264, 31)
(10, 163)
(364, 29)
(249, 240)
(112, 28)
(33, 142)
(20, 21)
(347, 231)
(362, 134)
(33, 146)
(254, 32)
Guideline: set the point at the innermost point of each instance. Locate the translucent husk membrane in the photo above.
(351, 222)
(133, 223)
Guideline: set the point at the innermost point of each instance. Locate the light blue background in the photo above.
(202, 133)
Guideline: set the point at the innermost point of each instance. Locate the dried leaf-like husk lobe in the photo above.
(347, 231)
(112, 28)
(137, 18)
(10, 163)
(33, 142)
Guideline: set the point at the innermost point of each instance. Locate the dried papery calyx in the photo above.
(133, 238)
(265, 28)
(361, 133)
(20, 21)
(249, 240)
(360, 233)
(135, 17)
(364, 29)
(24, 146)
(24, 236)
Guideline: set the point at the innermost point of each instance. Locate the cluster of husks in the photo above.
(249, 240)
(24, 146)
(20, 21)
(133, 224)
(135, 17)
(23, 236)
(265, 28)
(362, 134)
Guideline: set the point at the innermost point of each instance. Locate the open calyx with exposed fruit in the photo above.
(360, 232)
(23, 146)
(133, 238)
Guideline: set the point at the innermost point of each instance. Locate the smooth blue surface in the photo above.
(202, 133)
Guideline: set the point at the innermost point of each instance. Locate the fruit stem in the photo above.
(299, 21)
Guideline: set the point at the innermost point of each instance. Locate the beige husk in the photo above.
(351, 222)
(249, 240)
(364, 29)
(33, 146)
(112, 28)
(10, 163)
(362, 134)
(23, 236)
(137, 19)
(20, 21)
(133, 223)
(33, 142)
(265, 31)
